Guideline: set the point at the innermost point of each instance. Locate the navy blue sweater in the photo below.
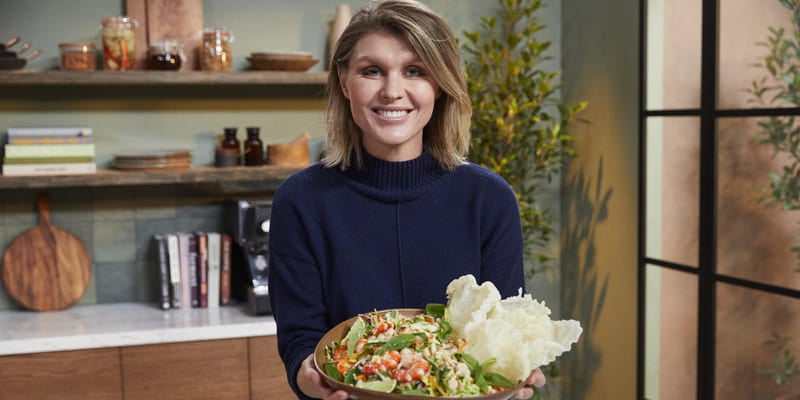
(387, 235)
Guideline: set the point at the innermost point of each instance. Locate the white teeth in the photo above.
(392, 114)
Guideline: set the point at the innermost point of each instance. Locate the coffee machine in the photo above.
(247, 221)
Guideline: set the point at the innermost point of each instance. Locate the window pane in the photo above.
(746, 321)
(673, 54)
(672, 189)
(670, 334)
(739, 47)
(755, 237)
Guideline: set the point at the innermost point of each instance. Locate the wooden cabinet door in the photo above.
(64, 375)
(213, 369)
(267, 374)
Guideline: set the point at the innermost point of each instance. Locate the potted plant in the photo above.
(520, 125)
(781, 87)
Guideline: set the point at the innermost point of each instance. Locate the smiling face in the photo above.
(391, 95)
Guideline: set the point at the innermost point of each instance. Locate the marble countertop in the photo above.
(124, 324)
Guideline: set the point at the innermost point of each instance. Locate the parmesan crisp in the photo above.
(517, 331)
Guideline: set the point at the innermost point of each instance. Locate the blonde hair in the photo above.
(447, 134)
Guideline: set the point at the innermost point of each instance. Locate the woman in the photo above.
(393, 213)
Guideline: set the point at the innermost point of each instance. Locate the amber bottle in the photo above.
(253, 148)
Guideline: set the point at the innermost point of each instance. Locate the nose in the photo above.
(393, 87)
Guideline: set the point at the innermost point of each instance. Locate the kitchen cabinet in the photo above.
(267, 374)
(67, 375)
(239, 368)
(215, 369)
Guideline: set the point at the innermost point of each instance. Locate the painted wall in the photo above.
(599, 198)
(139, 118)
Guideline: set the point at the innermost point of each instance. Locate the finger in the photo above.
(524, 393)
(537, 378)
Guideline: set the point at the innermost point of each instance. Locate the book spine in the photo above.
(194, 277)
(186, 284)
(173, 253)
(49, 169)
(49, 150)
(225, 270)
(66, 131)
(213, 269)
(202, 268)
(163, 270)
(48, 160)
(33, 139)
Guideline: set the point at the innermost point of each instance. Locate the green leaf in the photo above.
(399, 342)
(496, 379)
(331, 370)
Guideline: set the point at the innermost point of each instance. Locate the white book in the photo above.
(174, 269)
(49, 169)
(50, 131)
(184, 259)
(49, 150)
(214, 250)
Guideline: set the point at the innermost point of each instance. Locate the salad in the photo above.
(391, 352)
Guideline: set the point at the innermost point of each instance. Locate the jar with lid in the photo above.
(118, 43)
(253, 148)
(165, 54)
(215, 54)
(77, 56)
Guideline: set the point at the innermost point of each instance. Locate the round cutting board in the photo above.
(46, 268)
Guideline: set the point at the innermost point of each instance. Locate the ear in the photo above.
(342, 76)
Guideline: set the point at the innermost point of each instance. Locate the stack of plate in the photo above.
(286, 61)
(153, 160)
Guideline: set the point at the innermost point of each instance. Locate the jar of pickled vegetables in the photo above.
(216, 55)
(118, 43)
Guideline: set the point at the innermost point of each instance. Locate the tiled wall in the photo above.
(116, 224)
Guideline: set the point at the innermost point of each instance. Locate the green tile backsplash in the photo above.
(116, 224)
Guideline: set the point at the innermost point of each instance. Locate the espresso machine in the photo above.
(247, 221)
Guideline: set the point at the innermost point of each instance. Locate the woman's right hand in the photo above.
(311, 383)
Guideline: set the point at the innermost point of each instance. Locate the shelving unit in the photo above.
(148, 78)
(128, 178)
(21, 79)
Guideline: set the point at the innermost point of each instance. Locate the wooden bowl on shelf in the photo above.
(291, 61)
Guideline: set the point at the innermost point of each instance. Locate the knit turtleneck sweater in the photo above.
(386, 235)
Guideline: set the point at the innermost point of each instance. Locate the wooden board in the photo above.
(168, 19)
(46, 268)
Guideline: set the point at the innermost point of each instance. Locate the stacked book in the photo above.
(49, 151)
(195, 269)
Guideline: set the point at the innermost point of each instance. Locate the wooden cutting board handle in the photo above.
(46, 268)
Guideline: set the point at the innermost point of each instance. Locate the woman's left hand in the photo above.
(535, 379)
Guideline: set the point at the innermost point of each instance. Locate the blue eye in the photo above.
(371, 71)
(415, 71)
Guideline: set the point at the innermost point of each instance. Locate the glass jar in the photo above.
(118, 43)
(77, 56)
(165, 55)
(253, 148)
(215, 54)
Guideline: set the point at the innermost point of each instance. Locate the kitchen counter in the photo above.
(124, 324)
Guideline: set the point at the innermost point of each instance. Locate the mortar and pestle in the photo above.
(293, 154)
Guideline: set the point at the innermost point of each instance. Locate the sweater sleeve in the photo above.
(502, 241)
(295, 288)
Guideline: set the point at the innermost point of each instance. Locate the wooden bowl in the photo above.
(340, 331)
(281, 62)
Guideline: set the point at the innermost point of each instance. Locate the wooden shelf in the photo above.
(128, 178)
(145, 78)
